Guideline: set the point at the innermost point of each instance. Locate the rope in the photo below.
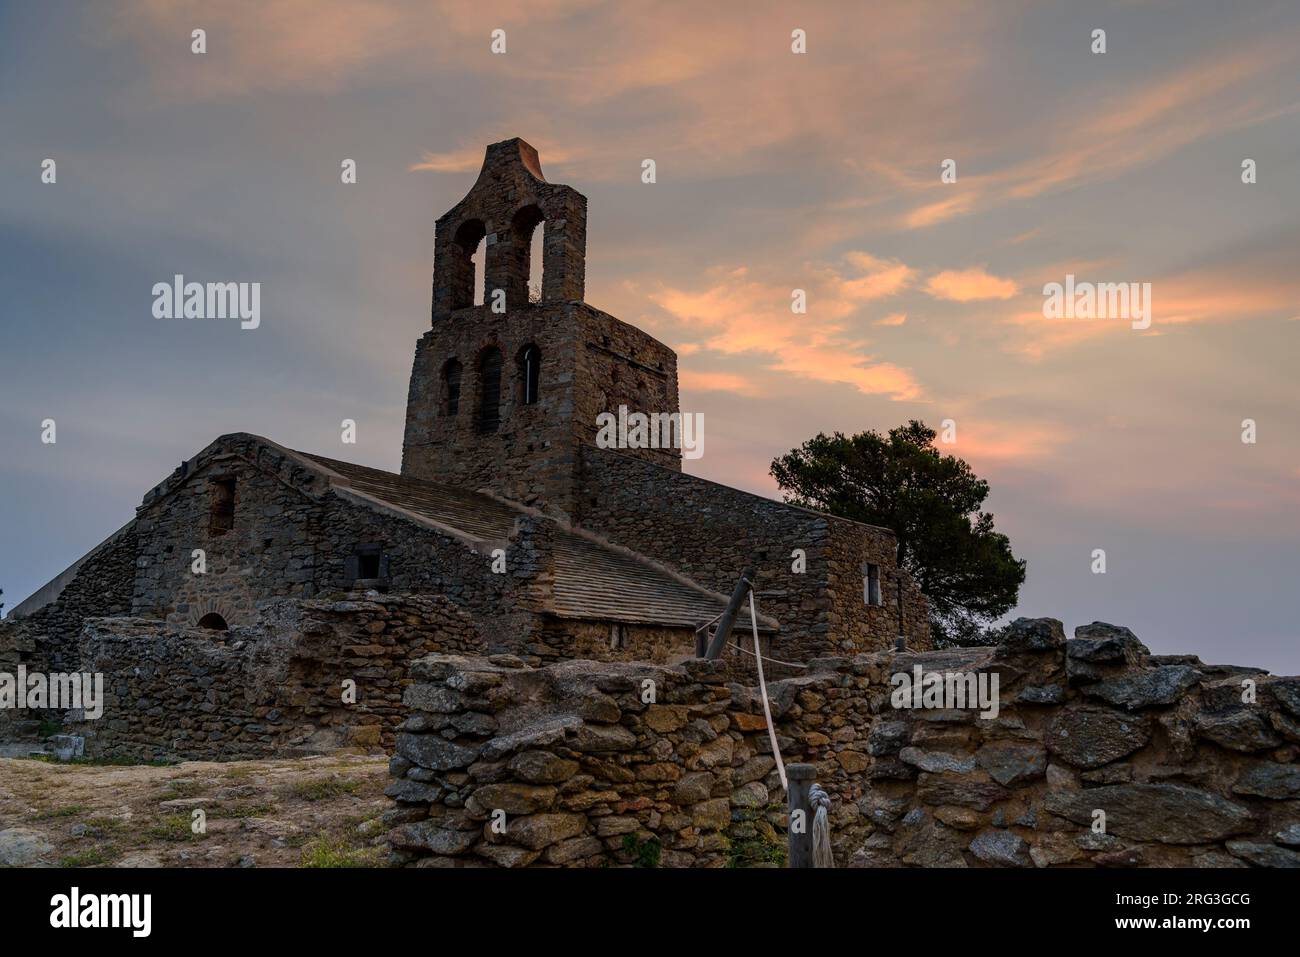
(767, 708)
(821, 829)
(818, 800)
(776, 661)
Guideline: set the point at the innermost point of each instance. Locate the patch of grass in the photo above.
(108, 825)
(175, 828)
(238, 774)
(756, 851)
(91, 858)
(72, 810)
(48, 727)
(647, 853)
(183, 788)
(323, 789)
(328, 851)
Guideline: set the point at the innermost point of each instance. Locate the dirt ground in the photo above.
(299, 812)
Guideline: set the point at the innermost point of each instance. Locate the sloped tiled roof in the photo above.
(593, 580)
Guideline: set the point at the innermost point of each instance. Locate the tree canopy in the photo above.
(933, 503)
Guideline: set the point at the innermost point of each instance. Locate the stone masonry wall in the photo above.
(590, 363)
(577, 764)
(268, 690)
(292, 539)
(711, 532)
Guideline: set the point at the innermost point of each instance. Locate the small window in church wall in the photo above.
(221, 514)
(451, 381)
(871, 585)
(530, 366)
(367, 565)
(489, 404)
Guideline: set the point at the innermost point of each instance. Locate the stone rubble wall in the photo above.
(263, 691)
(582, 769)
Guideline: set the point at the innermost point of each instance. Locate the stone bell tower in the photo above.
(504, 394)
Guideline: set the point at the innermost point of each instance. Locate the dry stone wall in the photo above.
(277, 688)
(597, 764)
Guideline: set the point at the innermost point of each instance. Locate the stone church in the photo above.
(508, 531)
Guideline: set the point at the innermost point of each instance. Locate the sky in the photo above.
(775, 171)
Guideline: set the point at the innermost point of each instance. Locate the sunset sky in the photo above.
(775, 171)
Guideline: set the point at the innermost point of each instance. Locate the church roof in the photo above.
(593, 579)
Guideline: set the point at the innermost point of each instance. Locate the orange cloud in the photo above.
(738, 314)
(965, 285)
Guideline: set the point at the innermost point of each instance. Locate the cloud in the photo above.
(694, 381)
(966, 285)
(893, 319)
(737, 315)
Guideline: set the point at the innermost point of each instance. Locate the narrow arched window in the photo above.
(489, 390)
(463, 263)
(530, 365)
(527, 239)
(451, 387)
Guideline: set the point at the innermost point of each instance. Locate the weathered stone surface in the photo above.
(1041, 694)
(1239, 730)
(853, 762)
(888, 737)
(665, 718)
(1289, 835)
(1100, 642)
(430, 835)
(413, 791)
(693, 787)
(1054, 849)
(505, 855)
(436, 698)
(711, 815)
(574, 849)
(1001, 848)
(1146, 688)
(1090, 737)
(1011, 764)
(435, 751)
(542, 830)
(976, 790)
(616, 824)
(1170, 813)
(1264, 855)
(1287, 693)
(961, 818)
(513, 798)
(1277, 782)
(595, 737)
(751, 795)
(936, 761)
(1033, 634)
(23, 847)
(538, 734)
(542, 767)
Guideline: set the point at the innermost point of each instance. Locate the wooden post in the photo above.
(800, 778)
(701, 639)
(729, 615)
